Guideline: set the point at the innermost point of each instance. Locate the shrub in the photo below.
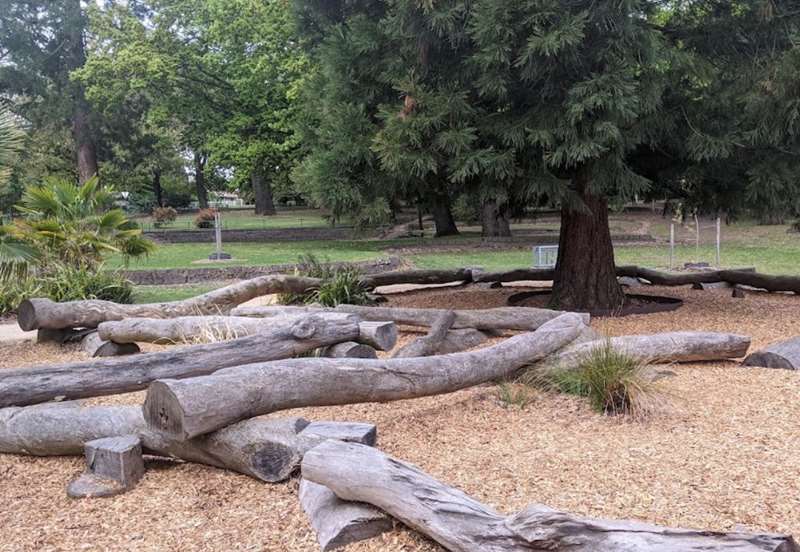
(163, 216)
(614, 382)
(67, 283)
(514, 394)
(340, 284)
(13, 292)
(205, 218)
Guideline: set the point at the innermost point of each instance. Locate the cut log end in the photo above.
(26, 314)
(162, 412)
(275, 462)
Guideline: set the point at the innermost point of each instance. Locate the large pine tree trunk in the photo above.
(443, 216)
(585, 275)
(200, 180)
(263, 193)
(494, 220)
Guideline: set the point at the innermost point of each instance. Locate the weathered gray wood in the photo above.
(187, 408)
(350, 349)
(63, 335)
(113, 465)
(461, 340)
(192, 329)
(703, 286)
(738, 293)
(665, 347)
(416, 277)
(429, 344)
(519, 275)
(338, 522)
(44, 313)
(270, 311)
(502, 318)
(22, 386)
(378, 335)
(784, 354)
(94, 346)
(352, 432)
(461, 524)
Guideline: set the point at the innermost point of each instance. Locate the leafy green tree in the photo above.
(42, 42)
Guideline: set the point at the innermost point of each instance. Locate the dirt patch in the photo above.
(725, 456)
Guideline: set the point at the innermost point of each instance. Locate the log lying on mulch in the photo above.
(429, 344)
(459, 523)
(44, 313)
(785, 354)
(350, 349)
(95, 346)
(113, 465)
(284, 339)
(657, 348)
(463, 339)
(502, 318)
(518, 275)
(269, 449)
(187, 408)
(338, 522)
(416, 277)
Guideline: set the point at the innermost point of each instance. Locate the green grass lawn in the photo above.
(240, 220)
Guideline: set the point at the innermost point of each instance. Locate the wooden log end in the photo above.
(114, 465)
(26, 314)
(380, 335)
(274, 462)
(767, 359)
(351, 349)
(162, 412)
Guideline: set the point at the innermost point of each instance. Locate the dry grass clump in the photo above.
(614, 382)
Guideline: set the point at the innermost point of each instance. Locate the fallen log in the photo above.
(519, 275)
(785, 355)
(44, 313)
(350, 349)
(114, 465)
(61, 336)
(187, 408)
(762, 281)
(23, 386)
(502, 318)
(665, 347)
(429, 344)
(463, 339)
(461, 524)
(338, 522)
(380, 335)
(268, 449)
(94, 346)
(192, 329)
(416, 277)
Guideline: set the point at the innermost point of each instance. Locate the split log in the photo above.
(44, 313)
(338, 522)
(350, 349)
(502, 318)
(190, 329)
(22, 386)
(114, 465)
(380, 335)
(429, 344)
(94, 346)
(187, 408)
(416, 277)
(461, 524)
(665, 347)
(785, 354)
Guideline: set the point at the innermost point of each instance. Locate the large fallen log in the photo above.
(44, 313)
(95, 346)
(665, 347)
(518, 275)
(416, 277)
(461, 524)
(785, 354)
(287, 338)
(187, 408)
(269, 449)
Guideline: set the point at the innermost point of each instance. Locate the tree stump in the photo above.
(113, 465)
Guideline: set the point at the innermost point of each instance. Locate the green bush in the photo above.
(13, 292)
(177, 192)
(340, 284)
(614, 382)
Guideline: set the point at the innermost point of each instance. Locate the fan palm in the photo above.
(15, 255)
(10, 142)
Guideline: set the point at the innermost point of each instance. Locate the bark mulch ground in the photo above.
(724, 456)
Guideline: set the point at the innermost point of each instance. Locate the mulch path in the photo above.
(724, 456)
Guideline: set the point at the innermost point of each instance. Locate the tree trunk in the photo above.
(200, 179)
(585, 275)
(37, 313)
(262, 189)
(494, 220)
(443, 216)
(287, 338)
(85, 149)
(157, 191)
(187, 408)
(429, 344)
(461, 524)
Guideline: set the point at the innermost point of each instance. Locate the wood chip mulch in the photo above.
(724, 457)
